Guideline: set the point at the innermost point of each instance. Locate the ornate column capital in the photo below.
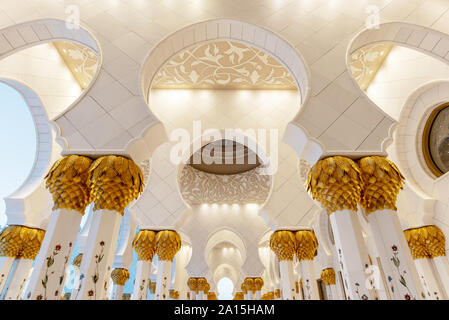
(238, 296)
(328, 276)
(114, 181)
(174, 294)
(307, 244)
(435, 241)
(250, 285)
(120, 276)
(283, 244)
(21, 242)
(202, 282)
(277, 293)
(426, 242)
(382, 181)
(192, 283)
(168, 243)
(211, 296)
(77, 261)
(268, 296)
(336, 183)
(258, 282)
(244, 288)
(416, 243)
(144, 244)
(67, 182)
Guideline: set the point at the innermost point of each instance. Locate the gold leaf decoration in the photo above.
(328, 276)
(120, 276)
(211, 296)
(382, 181)
(238, 296)
(258, 282)
(192, 283)
(283, 244)
(202, 282)
(174, 294)
(77, 261)
(144, 244)
(268, 296)
(168, 243)
(21, 242)
(223, 65)
(426, 242)
(244, 288)
(66, 181)
(114, 181)
(307, 244)
(250, 285)
(336, 183)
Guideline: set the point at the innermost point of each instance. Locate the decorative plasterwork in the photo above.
(366, 61)
(198, 187)
(80, 60)
(223, 65)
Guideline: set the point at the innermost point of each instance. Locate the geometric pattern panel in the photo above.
(223, 65)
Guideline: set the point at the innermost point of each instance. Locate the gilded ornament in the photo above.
(283, 244)
(174, 294)
(114, 181)
(67, 182)
(250, 285)
(120, 276)
(144, 244)
(336, 183)
(20, 242)
(416, 243)
(382, 181)
(192, 283)
(238, 296)
(168, 243)
(258, 282)
(206, 288)
(202, 282)
(435, 241)
(77, 261)
(211, 296)
(244, 288)
(307, 244)
(328, 276)
(277, 293)
(268, 296)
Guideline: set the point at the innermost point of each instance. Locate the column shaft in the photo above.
(142, 280)
(287, 279)
(352, 254)
(49, 270)
(309, 280)
(99, 254)
(163, 280)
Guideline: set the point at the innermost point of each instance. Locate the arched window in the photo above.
(225, 288)
(436, 140)
(17, 142)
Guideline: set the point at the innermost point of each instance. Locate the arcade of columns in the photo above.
(413, 261)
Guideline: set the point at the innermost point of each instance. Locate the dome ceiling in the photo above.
(223, 65)
(224, 157)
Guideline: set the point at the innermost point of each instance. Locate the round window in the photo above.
(436, 140)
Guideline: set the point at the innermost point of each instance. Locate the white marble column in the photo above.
(352, 254)
(182, 258)
(163, 279)
(6, 264)
(400, 271)
(441, 264)
(67, 182)
(142, 280)
(432, 288)
(98, 255)
(309, 281)
(49, 270)
(19, 278)
(287, 278)
(168, 243)
(119, 277)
